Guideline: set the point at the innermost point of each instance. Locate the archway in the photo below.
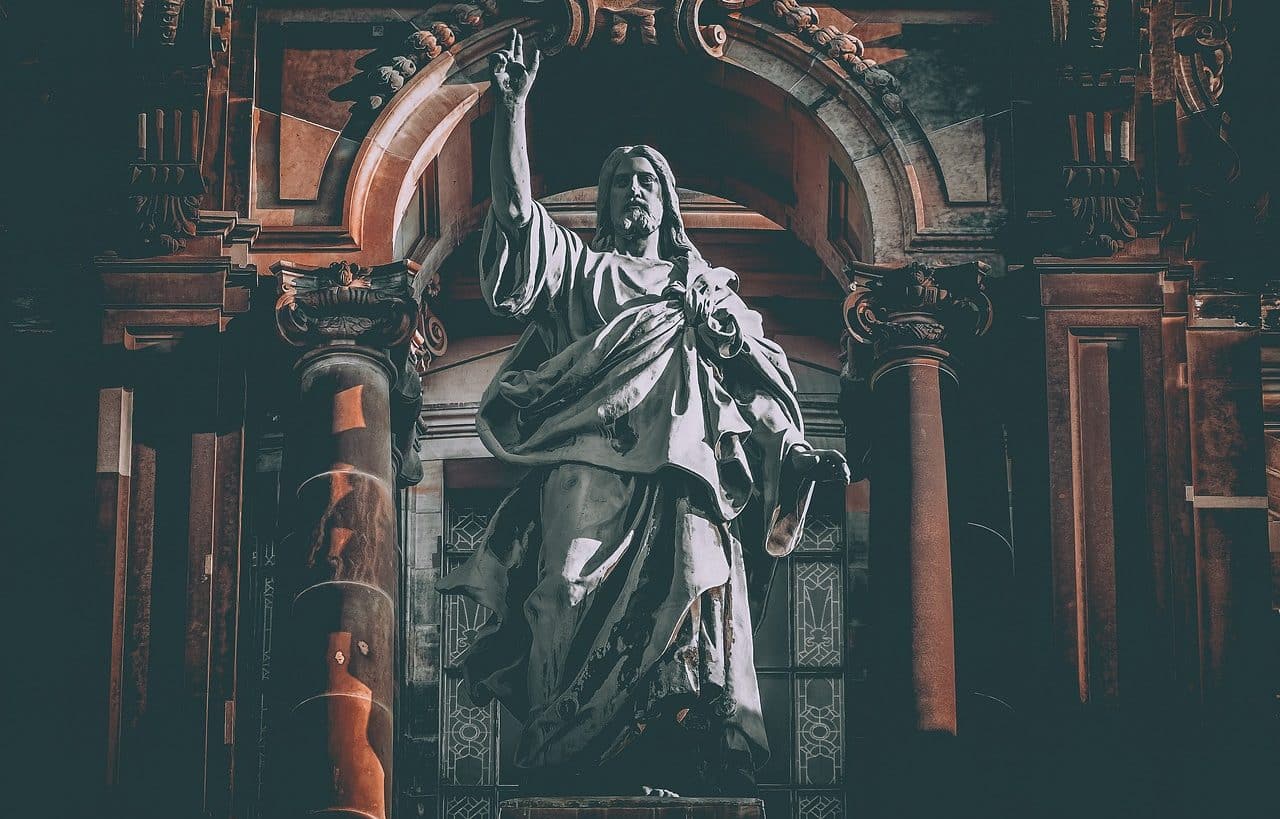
(804, 157)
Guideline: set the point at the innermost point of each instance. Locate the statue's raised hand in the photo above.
(511, 76)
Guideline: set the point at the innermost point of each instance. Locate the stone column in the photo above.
(341, 562)
(906, 314)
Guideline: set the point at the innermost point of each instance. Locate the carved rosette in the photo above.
(345, 302)
(915, 309)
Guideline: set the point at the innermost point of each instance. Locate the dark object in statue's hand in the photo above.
(819, 465)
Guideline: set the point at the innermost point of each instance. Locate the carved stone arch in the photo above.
(896, 181)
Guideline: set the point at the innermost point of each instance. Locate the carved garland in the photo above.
(845, 49)
(424, 45)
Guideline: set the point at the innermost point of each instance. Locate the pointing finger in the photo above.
(517, 47)
(511, 46)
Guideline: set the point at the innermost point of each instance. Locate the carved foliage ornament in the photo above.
(445, 26)
(1102, 206)
(917, 305)
(373, 306)
(165, 202)
(843, 48)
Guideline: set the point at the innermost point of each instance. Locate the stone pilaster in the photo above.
(908, 315)
(341, 561)
(1228, 497)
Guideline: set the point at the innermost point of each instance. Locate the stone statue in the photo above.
(667, 469)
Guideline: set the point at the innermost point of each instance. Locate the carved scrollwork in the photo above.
(842, 48)
(1204, 51)
(917, 305)
(429, 340)
(373, 306)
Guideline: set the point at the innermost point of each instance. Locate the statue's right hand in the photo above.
(511, 76)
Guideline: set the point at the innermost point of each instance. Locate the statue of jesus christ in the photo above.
(667, 471)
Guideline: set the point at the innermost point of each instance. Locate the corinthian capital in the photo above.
(917, 307)
(372, 306)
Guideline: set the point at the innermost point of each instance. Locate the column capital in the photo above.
(914, 309)
(346, 302)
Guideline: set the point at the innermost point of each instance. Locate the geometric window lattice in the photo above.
(467, 737)
(819, 614)
(823, 532)
(462, 620)
(819, 738)
(467, 524)
(819, 806)
(467, 806)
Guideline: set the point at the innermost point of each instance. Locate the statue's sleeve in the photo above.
(520, 271)
(764, 389)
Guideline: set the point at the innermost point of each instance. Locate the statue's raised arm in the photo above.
(509, 160)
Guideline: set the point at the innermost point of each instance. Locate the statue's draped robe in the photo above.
(622, 568)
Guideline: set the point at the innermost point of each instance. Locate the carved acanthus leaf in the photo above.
(1101, 208)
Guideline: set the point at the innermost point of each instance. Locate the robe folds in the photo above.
(623, 569)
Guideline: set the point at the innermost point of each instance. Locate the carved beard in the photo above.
(636, 223)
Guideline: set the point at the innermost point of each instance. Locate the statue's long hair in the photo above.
(673, 242)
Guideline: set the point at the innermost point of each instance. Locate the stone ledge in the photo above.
(630, 807)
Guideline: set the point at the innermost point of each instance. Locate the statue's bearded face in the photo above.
(635, 198)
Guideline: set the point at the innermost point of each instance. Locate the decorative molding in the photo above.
(844, 49)
(372, 306)
(916, 307)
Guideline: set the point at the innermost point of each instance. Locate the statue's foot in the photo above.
(662, 792)
(819, 465)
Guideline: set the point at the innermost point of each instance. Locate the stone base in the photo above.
(630, 807)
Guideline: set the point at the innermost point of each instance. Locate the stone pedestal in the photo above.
(631, 807)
